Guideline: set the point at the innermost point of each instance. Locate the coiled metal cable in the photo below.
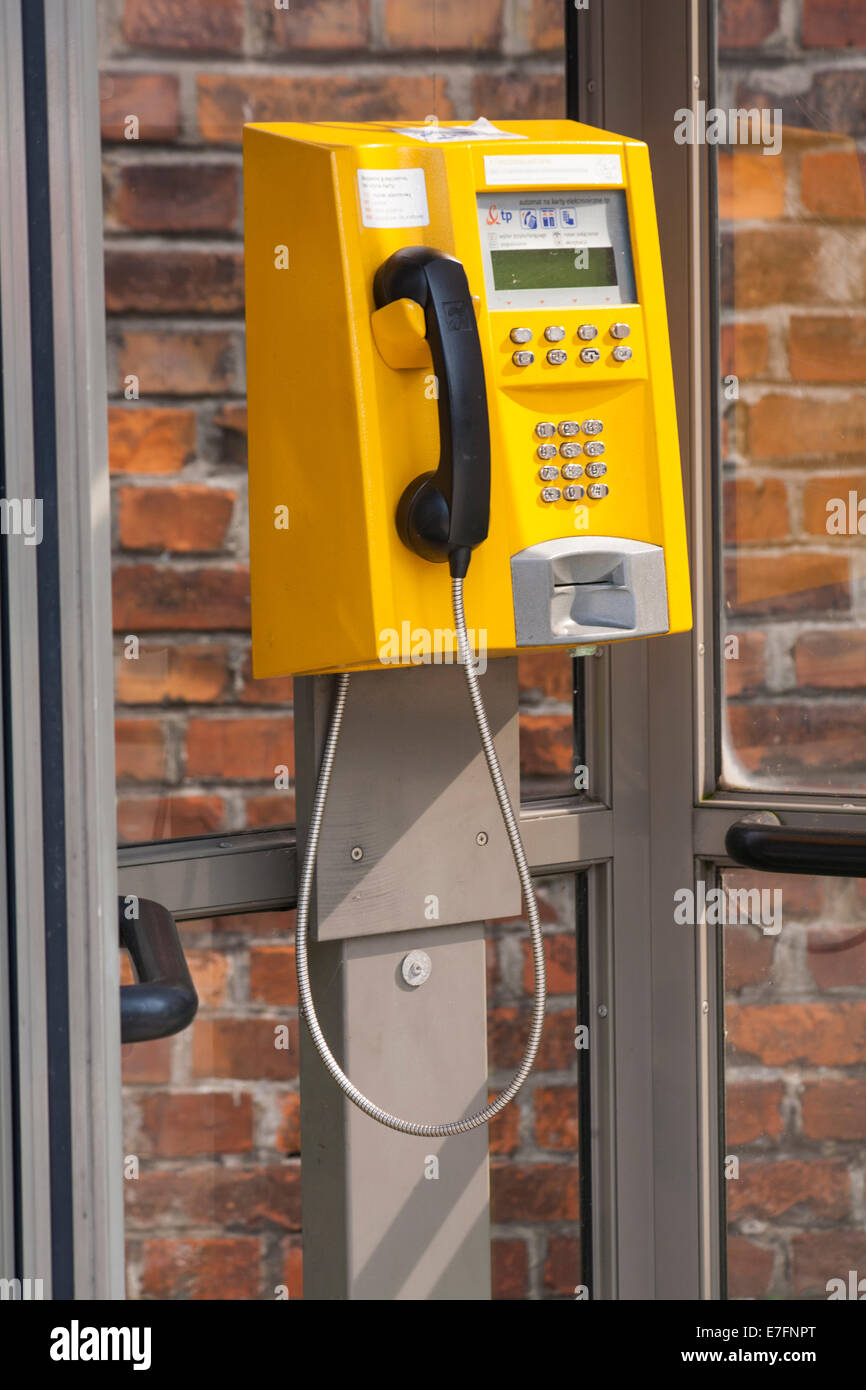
(307, 1008)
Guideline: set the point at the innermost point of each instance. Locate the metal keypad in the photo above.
(589, 355)
(595, 470)
(592, 427)
(546, 451)
(570, 450)
(597, 490)
(572, 470)
(550, 494)
(572, 493)
(545, 429)
(556, 357)
(594, 449)
(523, 358)
(568, 427)
(521, 335)
(548, 473)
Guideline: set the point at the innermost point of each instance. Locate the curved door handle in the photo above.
(164, 1000)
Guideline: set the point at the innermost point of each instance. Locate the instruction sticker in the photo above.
(393, 198)
(526, 171)
(482, 129)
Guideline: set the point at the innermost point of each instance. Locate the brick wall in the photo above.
(212, 1115)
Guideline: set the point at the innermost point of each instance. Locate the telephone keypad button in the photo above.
(622, 354)
(568, 427)
(545, 429)
(570, 451)
(589, 354)
(523, 359)
(572, 470)
(597, 490)
(596, 470)
(594, 449)
(550, 494)
(521, 335)
(587, 331)
(592, 427)
(556, 357)
(572, 493)
(546, 451)
(554, 334)
(548, 473)
(619, 330)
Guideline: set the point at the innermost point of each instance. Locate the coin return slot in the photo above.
(577, 590)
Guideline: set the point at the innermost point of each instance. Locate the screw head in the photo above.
(415, 968)
(482, 837)
(357, 853)
(602, 1010)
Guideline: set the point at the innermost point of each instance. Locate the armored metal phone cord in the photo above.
(307, 1008)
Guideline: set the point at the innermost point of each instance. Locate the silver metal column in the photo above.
(413, 854)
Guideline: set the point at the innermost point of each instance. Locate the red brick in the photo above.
(534, 1192)
(560, 956)
(555, 1117)
(243, 1049)
(750, 186)
(562, 1268)
(173, 282)
(244, 749)
(781, 265)
(216, 1196)
(828, 347)
(789, 584)
(504, 1131)
(507, 1029)
(546, 26)
(275, 808)
(510, 1269)
(327, 25)
(813, 1190)
(831, 659)
(744, 349)
(216, 1267)
(513, 95)
(828, 1035)
(748, 957)
(245, 925)
(802, 896)
(185, 197)
(750, 1268)
(549, 674)
(149, 598)
(834, 24)
(796, 426)
(450, 24)
(226, 101)
(293, 1266)
(833, 183)
(787, 740)
(140, 819)
(149, 439)
(273, 975)
(817, 1257)
(187, 519)
(835, 1109)
(153, 97)
(146, 1063)
(746, 23)
(289, 1132)
(752, 1111)
(755, 510)
(139, 750)
(546, 744)
(210, 972)
(179, 363)
(269, 690)
(744, 673)
(200, 26)
(171, 675)
(837, 959)
(195, 1123)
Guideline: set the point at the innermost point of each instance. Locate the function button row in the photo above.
(557, 358)
(521, 335)
(554, 334)
(622, 354)
(522, 358)
(587, 331)
(619, 330)
(589, 354)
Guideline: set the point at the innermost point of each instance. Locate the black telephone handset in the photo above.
(444, 515)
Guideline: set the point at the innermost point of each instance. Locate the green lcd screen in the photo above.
(556, 267)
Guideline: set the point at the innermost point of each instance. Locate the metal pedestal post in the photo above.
(413, 857)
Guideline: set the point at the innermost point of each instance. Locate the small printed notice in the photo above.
(482, 129)
(393, 198)
(532, 170)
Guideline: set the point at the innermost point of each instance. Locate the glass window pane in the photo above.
(792, 325)
(795, 1097)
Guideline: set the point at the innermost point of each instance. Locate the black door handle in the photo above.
(444, 515)
(164, 1001)
(781, 849)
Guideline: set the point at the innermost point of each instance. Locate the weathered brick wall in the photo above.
(213, 1114)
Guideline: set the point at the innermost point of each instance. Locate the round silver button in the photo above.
(568, 427)
(589, 354)
(594, 449)
(596, 470)
(619, 330)
(545, 429)
(523, 359)
(546, 451)
(554, 334)
(592, 427)
(571, 470)
(570, 451)
(556, 357)
(587, 332)
(550, 494)
(622, 354)
(521, 335)
(597, 490)
(572, 493)
(548, 473)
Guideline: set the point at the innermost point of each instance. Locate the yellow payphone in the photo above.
(457, 350)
